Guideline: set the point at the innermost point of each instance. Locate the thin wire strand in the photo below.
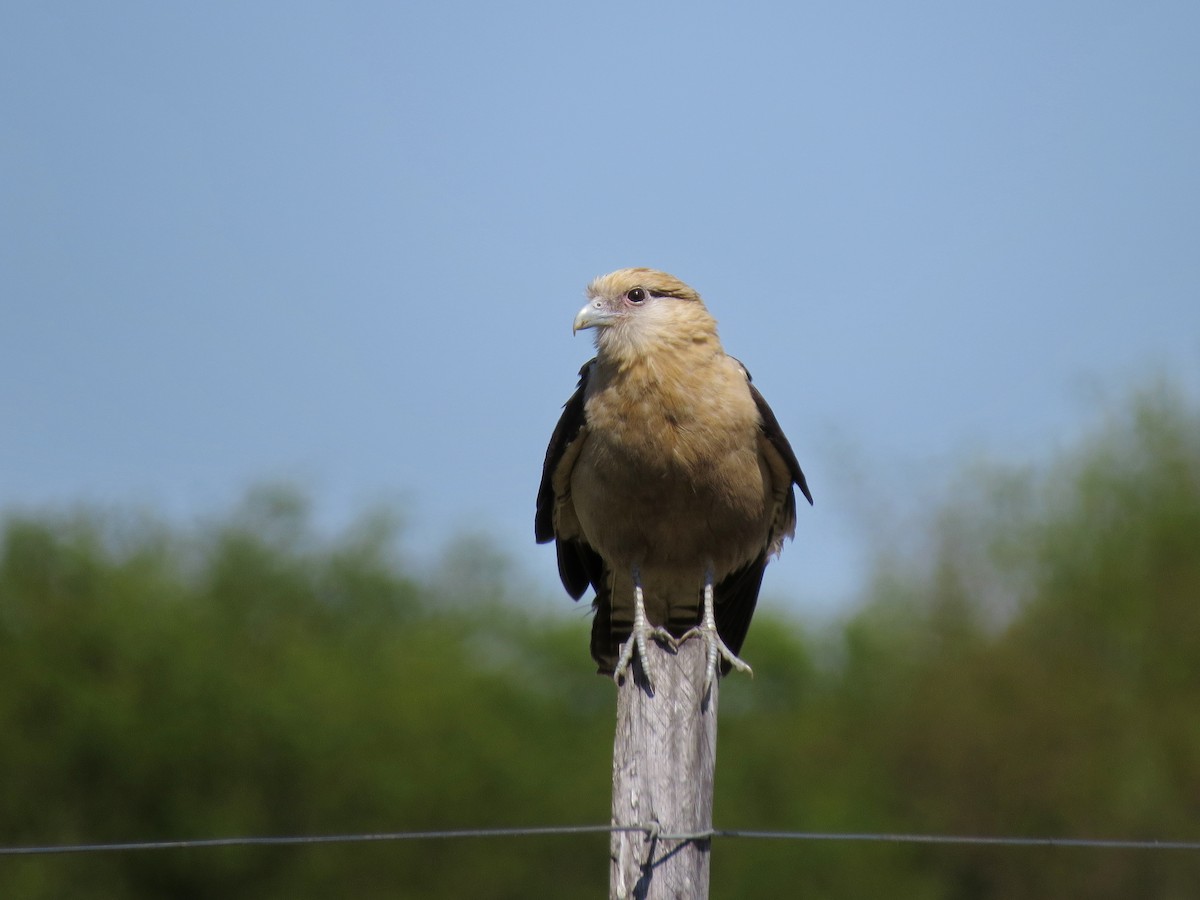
(651, 832)
(976, 840)
(283, 841)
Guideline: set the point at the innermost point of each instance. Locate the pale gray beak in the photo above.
(593, 315)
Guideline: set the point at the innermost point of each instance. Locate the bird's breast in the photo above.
(671, 475)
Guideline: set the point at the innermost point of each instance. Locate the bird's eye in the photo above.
(637, 295)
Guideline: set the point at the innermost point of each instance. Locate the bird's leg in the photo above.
(707, 630)
(638, 636)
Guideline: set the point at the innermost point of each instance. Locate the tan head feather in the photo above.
(670, 318)
(622, 280)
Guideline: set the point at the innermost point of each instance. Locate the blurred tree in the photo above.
(1036, 673)
(256, 680)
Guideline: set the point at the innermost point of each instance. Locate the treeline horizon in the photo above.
(1034, 672)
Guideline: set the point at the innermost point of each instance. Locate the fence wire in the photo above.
(652, 832)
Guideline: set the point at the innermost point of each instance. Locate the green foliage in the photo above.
(251, 681)
(1036, 673)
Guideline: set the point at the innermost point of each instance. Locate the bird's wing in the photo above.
(777, 439)
(737, 594)
(578, 564)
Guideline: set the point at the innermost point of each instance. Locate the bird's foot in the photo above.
(639, 638)
(716, 649)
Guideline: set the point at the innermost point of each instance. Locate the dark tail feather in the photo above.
(735, 599)
(606, 645)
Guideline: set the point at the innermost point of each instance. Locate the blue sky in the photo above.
(342, 244)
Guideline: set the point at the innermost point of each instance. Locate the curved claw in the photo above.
(716, 649)
(639, 635)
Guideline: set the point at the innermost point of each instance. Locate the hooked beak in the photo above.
(593, 315)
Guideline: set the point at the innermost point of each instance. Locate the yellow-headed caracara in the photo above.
(667, 484)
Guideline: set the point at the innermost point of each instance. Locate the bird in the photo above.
(668, 483)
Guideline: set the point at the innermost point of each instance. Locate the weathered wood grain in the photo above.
(664, 758)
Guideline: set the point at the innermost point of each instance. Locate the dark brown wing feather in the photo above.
(567, 429)
(736, 597)
(578, 564)
(737, 594)
(779, 441)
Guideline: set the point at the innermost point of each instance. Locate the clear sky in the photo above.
(342, 244)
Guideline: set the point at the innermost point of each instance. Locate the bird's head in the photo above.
(636, 311)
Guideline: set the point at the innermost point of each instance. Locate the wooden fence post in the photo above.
(664, 758)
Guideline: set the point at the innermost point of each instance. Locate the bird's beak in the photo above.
(593, 315)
